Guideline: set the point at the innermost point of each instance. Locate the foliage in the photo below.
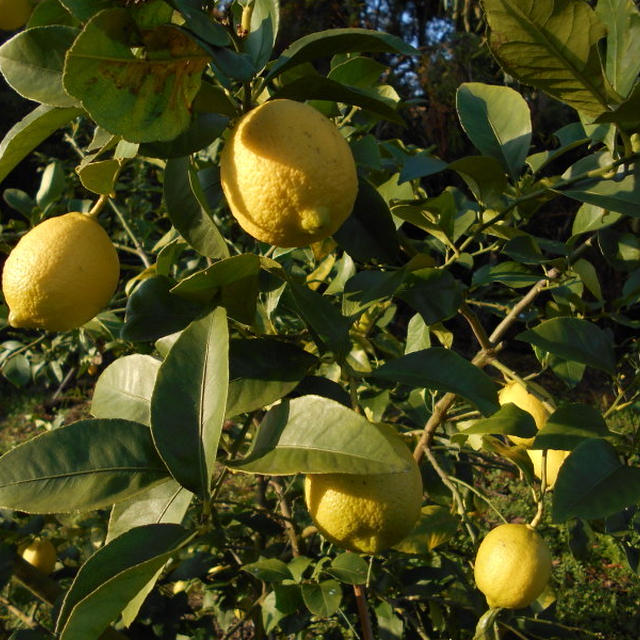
(234, 366)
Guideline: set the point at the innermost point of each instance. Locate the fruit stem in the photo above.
(543, 489)
(98, 206)
(363, 611)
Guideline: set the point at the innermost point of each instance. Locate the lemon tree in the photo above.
(329, 346)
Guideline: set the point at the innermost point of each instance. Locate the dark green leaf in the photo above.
(189, 400)
(513, 274)
(187, 214)
(485, 178)
(269, 570)
(434, 527)
(322, 599)
(312, 434)
(199, 22)
(153, 312)
(332, 41)
(573, 339)
(99, 177)
(349, 568)
(142, 98)
(593, 483)
(265, 19)
(85, 9)
(27, 134)
(366, 288)
(498, 122)
(551, 46)
(87, 465)
(32, 63)
(444, 370)
(420, 165)
(113, 576)
(48, 12)
(508, 420)
(263, 370)
(569, 425)
(357, 71)
(124, 389)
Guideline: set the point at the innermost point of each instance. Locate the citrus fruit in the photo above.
(514, 392)
(555, 458)
(14, 14)
(288, 175)
(60, 274)
(513, 566)
(366, 513)
(41, 554)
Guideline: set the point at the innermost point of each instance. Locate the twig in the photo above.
(363, 612)
(23, 617)
(139, 250)
(285, 509)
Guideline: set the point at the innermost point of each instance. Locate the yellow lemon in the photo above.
(60, 274)
(514, 392)
(14, 14)
(555, 458)
(288, 175)
(366, 513)
(41, 554)
(513, 566)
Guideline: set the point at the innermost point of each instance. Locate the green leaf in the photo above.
(187, 213)
(112, 576)
(231, 283)
(357, 71)
(508, 420)
(369, 233)
(332, 41)
(52, 184)
(593, 483)
(622, 21)
(99, 177)
(322, 598)
(263, 31)
(263, 370)
(87, 465)
(485, 178)
(321, 88)
(569, 425)
(366, 288)
(350, 568)
(574, 339)
(589, 276)
(552, 46)
(49, 12)
(189, 400)
(434, 527)
(142, 98)
(153, 312)
(626, 115)
(32, 63)
(434, 293)
(124, 389)
(420, 165)
(27, 134)
(166, 502)
(591, 218)
(444, 370)
(312, 434)
(513, 274)
(329, 327)
(85, 9)
(497, 121)
(199, 22)
(269, 570)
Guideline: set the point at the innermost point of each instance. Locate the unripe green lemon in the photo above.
(41, 554)
(514, 392)
(14, 14)
(60, 274)
(513, 566)
(288, 175)
(366, 513)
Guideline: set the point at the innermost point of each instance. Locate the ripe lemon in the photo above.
(366, 513)
(288, 175)
(60, 274)
(555, 458)
(514, 392)
(513, 566)
(14, 13)
(41, 554)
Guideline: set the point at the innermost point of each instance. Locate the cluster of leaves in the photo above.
(276, 362)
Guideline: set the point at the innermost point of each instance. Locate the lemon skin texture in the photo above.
(365, 513)
(14, 14)
(555, 458)
(513, 566)
(41, 554)
(288, 174)
(60, 274)
(514, 392)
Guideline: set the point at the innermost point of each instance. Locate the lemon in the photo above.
(513, 566)
(514, 392)
(41, 554)
(14, 14)
(555, 458)
(366, 513)
(60, 274)
(288, 175)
